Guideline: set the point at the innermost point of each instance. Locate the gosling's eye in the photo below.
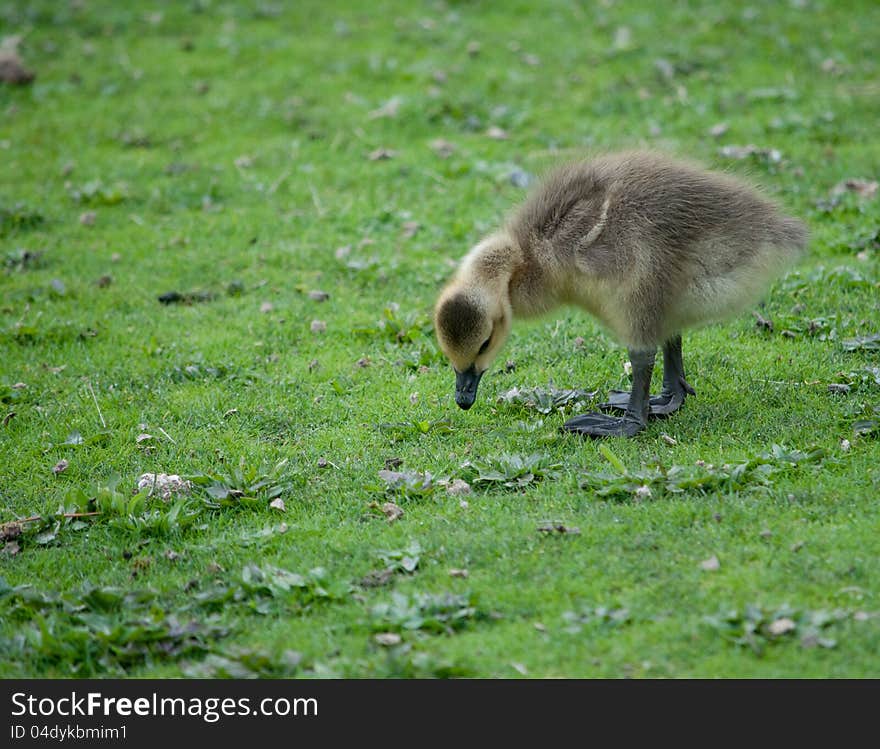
(484, 346)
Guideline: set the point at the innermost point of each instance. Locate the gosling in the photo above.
(647, 244)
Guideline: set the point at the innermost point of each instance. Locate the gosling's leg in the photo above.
(675, 386)
(635, 417)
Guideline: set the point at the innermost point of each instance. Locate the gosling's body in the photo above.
(647, 244)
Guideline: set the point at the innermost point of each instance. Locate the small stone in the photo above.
(318, 296)
(459, 573)
(266, 307)
(88, 218)
(496, 133)
(473, 48)
(318, 326)
(387, 639)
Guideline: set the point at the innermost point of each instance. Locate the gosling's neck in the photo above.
(502, 266)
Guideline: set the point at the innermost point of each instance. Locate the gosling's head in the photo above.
(472, 319)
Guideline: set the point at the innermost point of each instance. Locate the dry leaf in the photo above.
(381, 154)
(377, 578)
(164, 485)
(711, 564)
(496, 133)
(862, 187)
(387, 639)
(88, 218)
(60, 467)
(458, 488)
(392, 512)
(443, 148)
(559, 528)
(410, 229)
(781, 626)
(318, 326)
(12, 548)
(278, 504)
(11, 530)
(716, 131)
(266, 307)
(12, 68)
(473, 48)
(459, 573)
(318, 296)
(389, 109)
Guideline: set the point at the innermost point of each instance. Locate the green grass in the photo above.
(224, 150)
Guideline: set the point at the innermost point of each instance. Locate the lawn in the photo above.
(296, 182)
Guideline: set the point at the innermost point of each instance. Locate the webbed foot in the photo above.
(660, 405)
(600, 425)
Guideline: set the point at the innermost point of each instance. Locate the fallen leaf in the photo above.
(381, 154)
(387, 639)
(392, 511)
(410, 229)
(716, 131)
(558, 528)
(377, 578)
(738, 153)
(443, 148)
(389, 109)
(519, 668)
(143, 437)
(496, 133)
(459, 573)
(318, 296)
(622, 38)
(60, 467)
(864, 188)
(266, 307)
(711, 564)
(458, 488)
(164, 484)
(9, 417)
(781, 626)
(669, 440)
(762, 322)
(10, 530)
(278, 504)
(318, 326)
(473, 48)
(88, 218)
(12, 548)
(12, 69)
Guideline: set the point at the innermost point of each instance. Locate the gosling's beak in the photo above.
(466, 387)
